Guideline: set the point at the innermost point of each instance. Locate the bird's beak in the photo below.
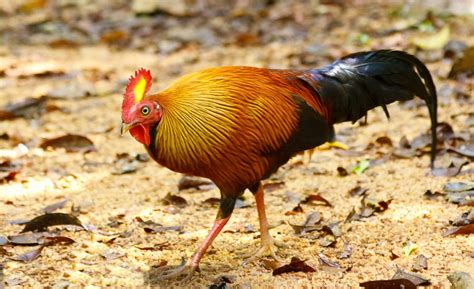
(126, 127)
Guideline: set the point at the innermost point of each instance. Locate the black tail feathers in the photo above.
(361, 81)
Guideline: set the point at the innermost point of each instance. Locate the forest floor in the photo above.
(74, 86)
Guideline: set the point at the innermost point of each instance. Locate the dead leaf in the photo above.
(451, 171)
(324, 261)
(333, 229)
(174, 200)
(70, 142)
(327, 241)
(29, 256)
(296, 210)
(434, 41)
(309, 224)
(191, 182)
(421, 262)
(430, 195)
(212, 201)
(221, 282)
(357, 191)
(296, 265)
(347, 251)
(458, 186)
(156, 247)
(56, 206)
(466, 218)
(110, 255)
(416, 279)
(384, 140)
(316, 198)
(464, 64)
(388, 284)
(464, 230)
(27, 108)
(125, 164)
(28, 239)
(466, 150)
(273, 186)
(270, 264)
(42, 222)
(3, 240)
(342, 171)
(461, 280)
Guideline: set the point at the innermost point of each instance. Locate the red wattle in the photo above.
(141, 134)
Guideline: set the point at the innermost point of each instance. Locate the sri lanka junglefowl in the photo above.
(238, 125)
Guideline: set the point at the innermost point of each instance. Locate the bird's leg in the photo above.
(188, 268)
(267, 246)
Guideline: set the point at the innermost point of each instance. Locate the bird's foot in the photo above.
(182, 272)
(268, 248)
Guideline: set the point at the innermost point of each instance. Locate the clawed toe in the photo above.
(182, 272)
(267, 249)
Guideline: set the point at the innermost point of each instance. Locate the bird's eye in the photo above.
(145, 110)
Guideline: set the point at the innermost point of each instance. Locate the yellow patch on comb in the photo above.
(139, 89)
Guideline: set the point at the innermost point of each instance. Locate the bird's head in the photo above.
(139, 112)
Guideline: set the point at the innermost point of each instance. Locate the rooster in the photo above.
(238, 125)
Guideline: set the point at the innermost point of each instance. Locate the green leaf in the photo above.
(361, 167)
(409, 248)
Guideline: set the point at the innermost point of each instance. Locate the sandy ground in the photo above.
(87, 181)
(113, 255)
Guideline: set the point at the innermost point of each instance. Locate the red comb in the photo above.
(137, 87)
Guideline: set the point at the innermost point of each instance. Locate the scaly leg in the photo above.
(267, 243)
(187, 269)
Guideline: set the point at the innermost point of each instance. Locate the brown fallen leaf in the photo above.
(70, 142)
(324, 261)
(221, 282)
(174, 200)
(342, 172)
(421, 262)
(42, 222)
(191, 182)
(156, 247)
(433, 195)
(388, 284)
(309, 224)
(212, 201)
(8, 170)
(357, 191)
(466, 150)
(56, 206)
(451, 171)
(384, 140)
(296, 210)
(416, 279)
(270, 264)
(316, 198)
(332, 229)
(30, 255)
(296, 265)
(273, 185)
(158, 229)
(463, 230)
(464, 64)
(27, 108)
